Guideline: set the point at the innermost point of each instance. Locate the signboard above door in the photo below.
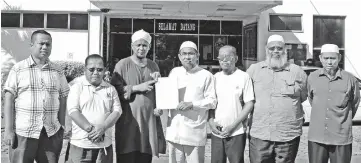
(176, 26)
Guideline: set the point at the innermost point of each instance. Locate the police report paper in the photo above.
(166, 93)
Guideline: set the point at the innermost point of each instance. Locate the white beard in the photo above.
(275, 63)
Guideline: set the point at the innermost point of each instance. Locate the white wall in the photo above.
(349, 8)
(67, 44)
(51, 5)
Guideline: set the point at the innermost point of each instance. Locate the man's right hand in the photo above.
(215, 127)
(145, 87)
(9, 138)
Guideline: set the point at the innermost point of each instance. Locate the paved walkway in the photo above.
(301, 156)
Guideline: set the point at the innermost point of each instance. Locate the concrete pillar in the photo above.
(95, 32)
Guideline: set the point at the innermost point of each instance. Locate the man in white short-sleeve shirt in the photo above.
(228, 121)
(186, 131)
(94, 107)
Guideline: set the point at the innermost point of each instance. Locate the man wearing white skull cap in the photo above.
(334, 96)
(137, 132)
(277, 119)
(186, 132)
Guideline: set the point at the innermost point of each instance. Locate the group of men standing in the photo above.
(267, 99)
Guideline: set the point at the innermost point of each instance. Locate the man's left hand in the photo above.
(227, 131)
(96, 134)
(185, 106)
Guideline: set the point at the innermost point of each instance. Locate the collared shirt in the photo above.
(189, 127)
(231, 90)
(37, 91)
(278, 113)
(334, 102)
(96, 104)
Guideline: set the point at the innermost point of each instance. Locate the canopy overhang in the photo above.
(191, 9)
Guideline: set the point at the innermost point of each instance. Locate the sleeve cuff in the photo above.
(196, 104)
(9, 90)
(72, 110)
(248, 100)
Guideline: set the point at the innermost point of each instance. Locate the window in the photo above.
(206, 50)
(209, 27)
(121, 25)
(33, 20)
(328, 30)
(79, 21)
(285, 23)
(296, 53)
(57, 21)
(231, 27)
(145, 24)
(10, 19)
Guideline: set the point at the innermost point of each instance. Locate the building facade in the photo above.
(84, 27)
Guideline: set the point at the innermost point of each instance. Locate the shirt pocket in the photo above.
(23, 81)
(288, 86)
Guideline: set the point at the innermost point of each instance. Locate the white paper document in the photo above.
(166, 93)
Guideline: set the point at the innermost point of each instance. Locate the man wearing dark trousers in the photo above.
(334, 96)
(35, 103)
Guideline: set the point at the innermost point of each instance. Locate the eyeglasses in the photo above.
(189, 54)
(98, 69)
(225, 59)
(275, 47)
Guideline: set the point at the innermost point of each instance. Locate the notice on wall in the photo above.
(166, 92)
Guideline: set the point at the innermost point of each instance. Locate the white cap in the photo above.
(278, 38)
(188, 44)
(141, 34)
(330, 48)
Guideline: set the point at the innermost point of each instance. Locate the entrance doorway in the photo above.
(167, 36)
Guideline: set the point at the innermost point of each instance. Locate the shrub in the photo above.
(71, 69)
(7, 62)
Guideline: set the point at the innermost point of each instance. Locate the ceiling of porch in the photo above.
(192, 9)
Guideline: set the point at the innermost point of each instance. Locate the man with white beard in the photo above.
(276, 122)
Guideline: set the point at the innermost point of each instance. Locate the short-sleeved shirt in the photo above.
(188, 127)
(231, 91)
(278, 113)
(96, 104)
(334, 102)
(37, 91)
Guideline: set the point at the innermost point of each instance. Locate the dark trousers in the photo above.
(263, 151)
(232, 147)
(85, 155)
(320, 153)
(43, 150)
(134, 157)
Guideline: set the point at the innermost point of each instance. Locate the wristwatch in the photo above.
(89, 129)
